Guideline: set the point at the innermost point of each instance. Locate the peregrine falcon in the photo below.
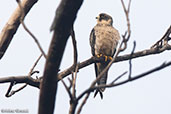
(104, 39)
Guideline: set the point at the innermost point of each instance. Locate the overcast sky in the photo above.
(149, 21)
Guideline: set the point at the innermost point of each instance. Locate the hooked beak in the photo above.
(97, 17)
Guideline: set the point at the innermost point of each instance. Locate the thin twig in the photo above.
(74, 46)
(129, 5)
(29, 32)
(74, 82)
(15, 91)
(9, 89)
(118, 77)
(67, 89)
(34, 65)
(73, 101)
(127, 34)
(88, 94)
(164, 38)
(130, 61)
(160, 67)
(83, 103)
(133, 78)
(127, 11)
(10, 93)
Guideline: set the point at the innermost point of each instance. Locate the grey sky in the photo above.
(149, 21)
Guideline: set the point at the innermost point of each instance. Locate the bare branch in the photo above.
(83, 103)
(12, 25)
(74, 47)
(34, 65)
(129, 5)
(127, 34)
(67, 89)
(92, 60)
(130, 61)
(21, 79)
(74, 82)
(88, 93)
(125, 57)
(73, 101)
(118, 77)
(127, 17)
(158, 68)
(61, 27)
(9, 89)
(165, 37)
(27, 30)
(73, 105)
(10, 93)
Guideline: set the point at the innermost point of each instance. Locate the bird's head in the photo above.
(104, 18)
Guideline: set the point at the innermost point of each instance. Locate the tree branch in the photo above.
(92, 60)
(62, 24)
(9, 89)
(125, 57)
(163, 40)
(74, 47)
(10, 93)
(162, 66)
(27, 30)
(12, 25)
(130, 61)
(21, 79)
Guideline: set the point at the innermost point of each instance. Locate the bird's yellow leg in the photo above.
(107, 57)
(110, 58)
(99, 55)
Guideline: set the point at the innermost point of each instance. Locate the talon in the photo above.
(105, 57)
(99, 55)
(110, 57)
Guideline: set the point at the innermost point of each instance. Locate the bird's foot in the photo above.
(99, 55)
(105, 56)
(110, 58)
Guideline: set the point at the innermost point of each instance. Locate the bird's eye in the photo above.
(101, 16)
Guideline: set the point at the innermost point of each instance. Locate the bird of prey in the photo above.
(104, 39)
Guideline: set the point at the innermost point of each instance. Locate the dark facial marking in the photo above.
(104, 17)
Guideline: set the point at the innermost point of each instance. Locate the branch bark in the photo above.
(21, 79)
(125, 57)
(113, 84)
(92, 60)
(63, 22)
(12, 25)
